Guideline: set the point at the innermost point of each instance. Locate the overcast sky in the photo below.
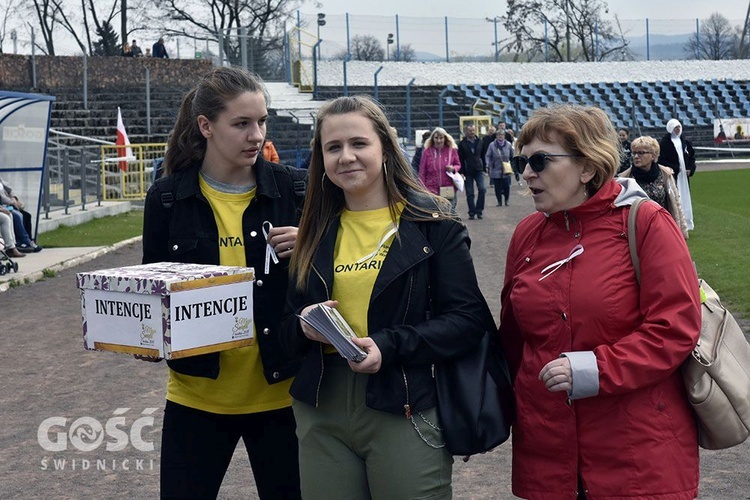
(625, 9)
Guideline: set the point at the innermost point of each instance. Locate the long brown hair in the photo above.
(325, 201)
(187, 146)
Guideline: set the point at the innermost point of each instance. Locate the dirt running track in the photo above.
(45, 373)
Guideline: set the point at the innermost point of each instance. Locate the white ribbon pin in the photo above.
(270, 252)
(575, 252)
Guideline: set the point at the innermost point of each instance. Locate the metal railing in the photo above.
(82, 170)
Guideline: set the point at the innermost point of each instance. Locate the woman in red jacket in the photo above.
(602, 410)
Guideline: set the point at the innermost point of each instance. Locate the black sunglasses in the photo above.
(537, 161)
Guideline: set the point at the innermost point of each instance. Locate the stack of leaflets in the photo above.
(332, 325)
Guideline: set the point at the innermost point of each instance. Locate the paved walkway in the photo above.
(90, 454)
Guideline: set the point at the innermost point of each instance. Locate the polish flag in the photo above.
(122, 140)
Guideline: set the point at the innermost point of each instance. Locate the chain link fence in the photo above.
(451, 39)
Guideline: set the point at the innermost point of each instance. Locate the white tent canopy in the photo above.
(24, 127)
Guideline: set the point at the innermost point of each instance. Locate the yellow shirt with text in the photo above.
(241, 386)
(362, 243)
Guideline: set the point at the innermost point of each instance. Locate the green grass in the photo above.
(720, 243)
(98, 232)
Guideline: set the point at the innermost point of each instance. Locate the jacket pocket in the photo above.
(181, 246)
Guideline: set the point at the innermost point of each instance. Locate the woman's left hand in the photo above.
(373, 361)
(282, 239)
(557, 375)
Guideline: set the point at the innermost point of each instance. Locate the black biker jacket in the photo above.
(427, 259)
(179, 226)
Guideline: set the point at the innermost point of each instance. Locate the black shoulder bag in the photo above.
(475, 401)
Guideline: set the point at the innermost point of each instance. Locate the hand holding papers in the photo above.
(329, 323)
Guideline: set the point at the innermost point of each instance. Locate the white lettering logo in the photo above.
(88, 433)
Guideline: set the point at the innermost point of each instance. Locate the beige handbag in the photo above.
(447, 192)
(717, 374)
(507, 168)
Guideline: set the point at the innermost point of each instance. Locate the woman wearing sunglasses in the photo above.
(656, 180)
(602, 411)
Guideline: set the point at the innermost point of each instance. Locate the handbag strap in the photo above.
(632, 232)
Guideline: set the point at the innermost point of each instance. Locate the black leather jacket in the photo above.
(179, 226)
(427, 259)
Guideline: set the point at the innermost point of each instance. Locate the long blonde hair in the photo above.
(449, 140)
(324, 200)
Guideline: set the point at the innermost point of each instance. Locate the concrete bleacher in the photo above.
(97, 118)
(641, 106)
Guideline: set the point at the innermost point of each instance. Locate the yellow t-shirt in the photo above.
(241, 386)
(362, 243)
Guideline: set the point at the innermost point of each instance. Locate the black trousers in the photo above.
(197, 447)
(502, 189)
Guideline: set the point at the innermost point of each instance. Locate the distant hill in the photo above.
(662, 47)
(427, 57)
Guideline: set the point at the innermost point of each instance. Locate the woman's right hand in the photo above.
(310, 332)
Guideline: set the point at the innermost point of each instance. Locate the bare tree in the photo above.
(715, 39)
(572, 30)
(82, 24)
(261, 22)
(366, 48)
(46, 12)
(8, 8)
(407, 53)
(744, 46)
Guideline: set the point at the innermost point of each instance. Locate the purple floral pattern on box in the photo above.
(150, 279)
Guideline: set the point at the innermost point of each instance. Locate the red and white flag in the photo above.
(124, 153)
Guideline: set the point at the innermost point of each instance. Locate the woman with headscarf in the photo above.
(677, 153)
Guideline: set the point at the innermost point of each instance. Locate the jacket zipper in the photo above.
(567, 221)
(322, 361)
(407, 406)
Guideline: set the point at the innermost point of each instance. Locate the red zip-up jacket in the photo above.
(635, 434)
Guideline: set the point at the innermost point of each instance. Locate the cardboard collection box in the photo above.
(166, 309)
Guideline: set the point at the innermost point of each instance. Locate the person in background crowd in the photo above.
(395, 262)
(509, 138)
(625, 156)
(500, 152)
(472, 167)
(501, 127)
(400, 143)
(135, 50)
(440, 156)
(159, 50)
(21, 219)
(126, 51)
(418, 154)
(269, 151)
(601, 404)
(678, 154)
(487, 139)
(228, 206)
(7, 234)
(656, 180)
